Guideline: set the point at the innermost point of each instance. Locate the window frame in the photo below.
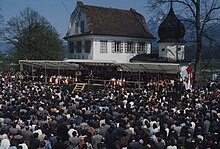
(117, 47)
(129, 47)
(103, 46)
(87, 49)
(71, 47)
(141, 47)
(82, 26)
(78, 47)
(76, 27)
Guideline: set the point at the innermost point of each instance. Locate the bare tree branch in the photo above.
(208, 15)
(190, 21)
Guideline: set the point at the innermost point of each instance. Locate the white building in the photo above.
(100, 33)
(120, 39)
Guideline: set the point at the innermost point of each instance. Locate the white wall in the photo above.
(171, 50)
(95, 48)
(119, 57)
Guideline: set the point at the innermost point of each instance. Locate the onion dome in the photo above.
(171, 29)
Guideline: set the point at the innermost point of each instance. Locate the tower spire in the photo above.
(171, 4)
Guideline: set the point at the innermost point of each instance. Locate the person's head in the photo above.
(35, 135)
(74, 133)
(154, 125)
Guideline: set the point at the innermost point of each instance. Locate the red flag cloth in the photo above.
(123, 84)
(54, 80)
(69, 81)
(189, 69)
(112, 82)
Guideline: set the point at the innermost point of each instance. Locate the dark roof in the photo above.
(115, 22)
(154, 58)
(171, 29)
(150, 58)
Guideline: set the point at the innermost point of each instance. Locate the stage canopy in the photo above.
(74, 64)
(171, 68)
(49, 64)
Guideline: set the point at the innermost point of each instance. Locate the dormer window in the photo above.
(76, 27)
(79, 15)
(82, 26)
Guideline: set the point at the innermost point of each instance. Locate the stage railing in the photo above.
(105, 82)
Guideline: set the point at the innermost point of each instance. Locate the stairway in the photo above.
(79, 87)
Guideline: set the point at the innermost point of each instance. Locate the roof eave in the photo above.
(89, 33)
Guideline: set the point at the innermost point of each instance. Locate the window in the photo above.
(129, 47)
(71, 47)
(76, 27)
(103, 47)
(79, 46)
(87, 46)
(141, 47)
(145, 47)
(79, 15)
(117, 47)
(82, 26)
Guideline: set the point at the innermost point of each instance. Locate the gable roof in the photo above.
(114, 22)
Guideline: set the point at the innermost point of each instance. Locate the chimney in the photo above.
(79, 3)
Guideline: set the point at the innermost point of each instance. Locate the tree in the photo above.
(202, 14)
(1, 23)
(33, 37)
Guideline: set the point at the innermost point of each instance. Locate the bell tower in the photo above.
(171, 33)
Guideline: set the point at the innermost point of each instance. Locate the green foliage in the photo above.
(33, 37)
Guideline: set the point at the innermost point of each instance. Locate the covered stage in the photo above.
(75, 64)
(81, 64)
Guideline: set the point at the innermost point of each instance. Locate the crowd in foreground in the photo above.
(34, 115)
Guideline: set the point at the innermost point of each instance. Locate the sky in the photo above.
(57, 12)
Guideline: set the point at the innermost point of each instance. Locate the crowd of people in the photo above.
(161, 115)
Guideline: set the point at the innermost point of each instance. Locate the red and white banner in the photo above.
(186, 75)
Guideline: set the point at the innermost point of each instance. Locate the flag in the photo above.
(189, 69)
(186, 74)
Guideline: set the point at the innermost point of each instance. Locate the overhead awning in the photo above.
(50, 64)
(74, 64)
(170, 68)
(88, 62)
